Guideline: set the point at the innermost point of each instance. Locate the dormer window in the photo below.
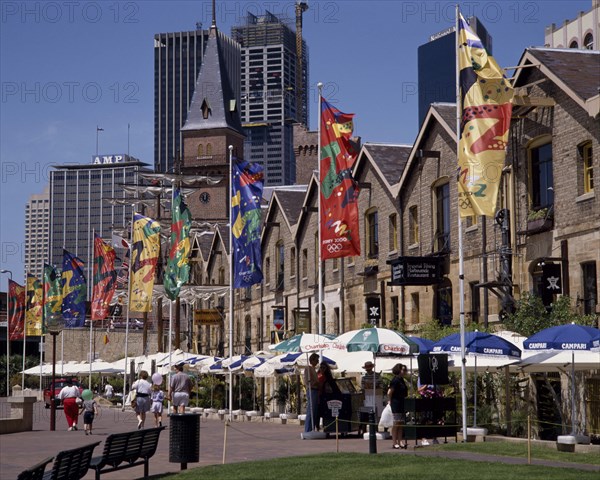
(206, 111)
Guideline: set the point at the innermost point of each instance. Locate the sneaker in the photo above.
(74, 427)
(70, 429)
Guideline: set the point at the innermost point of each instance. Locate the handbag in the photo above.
(133, 397)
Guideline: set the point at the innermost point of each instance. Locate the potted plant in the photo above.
(539, 220)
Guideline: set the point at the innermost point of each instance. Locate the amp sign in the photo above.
(109, 159)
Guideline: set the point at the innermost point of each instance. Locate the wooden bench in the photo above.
(36, 472)
(71, 464)
(126, 450)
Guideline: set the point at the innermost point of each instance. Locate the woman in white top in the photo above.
(69, 395)
(143, 401)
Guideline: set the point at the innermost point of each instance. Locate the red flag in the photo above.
(105, 278)
(339, 191)
(16, 310)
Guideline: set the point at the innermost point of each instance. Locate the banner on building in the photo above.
(144, 256)
(339, 191)
(486, 96)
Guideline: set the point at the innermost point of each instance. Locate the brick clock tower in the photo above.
(213, 123)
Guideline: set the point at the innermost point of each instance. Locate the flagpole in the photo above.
(320, 310)
(42, 328)
(24, 338)
(170, 343)
(231, 256)
(461, 275)
(128, 296)
(90, 267)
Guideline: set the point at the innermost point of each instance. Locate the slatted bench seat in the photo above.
(71, 464)
(36, 472)
(126, 450)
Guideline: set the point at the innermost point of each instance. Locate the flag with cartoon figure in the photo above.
(339, 191)
(52, 292)
(144, 257)
(74, 291)
(246, 195)
(486, 96)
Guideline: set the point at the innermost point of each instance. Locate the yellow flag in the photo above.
(144, 256)
(34, 306)
(486, 97)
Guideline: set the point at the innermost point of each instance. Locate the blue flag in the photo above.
(246, 195)
(74, 291)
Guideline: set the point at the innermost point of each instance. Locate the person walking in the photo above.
(311, 381)
(89, 408)
(179, 390)
(143, 388)
(68, 396)
(397, 392)
(157, 397)
(109, 391)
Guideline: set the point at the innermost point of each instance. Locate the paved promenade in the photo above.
(246, 441)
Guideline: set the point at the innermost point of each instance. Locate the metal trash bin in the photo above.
(184, 438)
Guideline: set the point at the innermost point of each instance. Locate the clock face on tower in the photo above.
(205, 197)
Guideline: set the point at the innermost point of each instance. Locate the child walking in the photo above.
(89, 408)
(157, 397)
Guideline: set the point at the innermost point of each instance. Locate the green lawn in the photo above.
(518, 449)
(352, 466)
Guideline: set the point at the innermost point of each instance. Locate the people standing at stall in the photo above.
(143, 388)
(68, 395)
(179, 390)
(397, 392)
(311, 382)
(328, 389)
(372, 387)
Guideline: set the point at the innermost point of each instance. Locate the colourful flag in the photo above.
(246, 195)
(339, 191)
(105, 278)
(16, 310)
(178, 270)
(144, 256)
(52, 292)
(74, 291)
(123, 273)
(486, 96)
(34, 307)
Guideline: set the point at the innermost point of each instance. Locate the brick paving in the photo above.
(245, 441)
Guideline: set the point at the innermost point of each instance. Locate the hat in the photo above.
(368, 364)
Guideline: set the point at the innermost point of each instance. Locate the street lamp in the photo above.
(7, 342)
(54, 325)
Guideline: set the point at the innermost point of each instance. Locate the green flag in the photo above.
(52, 292)
(178, 270)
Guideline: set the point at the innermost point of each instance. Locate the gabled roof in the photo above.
(204, 241)
(213, 95)
(291, 204)
(223, 234)
(576, 72)
(442, 113)
(312, 190)
(387, 160)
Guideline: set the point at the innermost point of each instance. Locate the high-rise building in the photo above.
(269, 94)
(437, 66)
(581, 32)
(37, 221)
(79, 204)
(177, 61)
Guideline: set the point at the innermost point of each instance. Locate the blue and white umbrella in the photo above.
(477, 345)
(425, 345)
(571, 338)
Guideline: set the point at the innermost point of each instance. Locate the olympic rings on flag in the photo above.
(334, 247)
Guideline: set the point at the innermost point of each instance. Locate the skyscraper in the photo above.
(437, 66)
(269, 86)
(37, 220)
(78, 204)
(177, 61)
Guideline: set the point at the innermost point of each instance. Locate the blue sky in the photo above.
(66, 67)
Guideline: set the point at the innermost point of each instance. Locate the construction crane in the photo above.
(301, 7)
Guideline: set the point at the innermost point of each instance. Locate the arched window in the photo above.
(443, 302)
(221, 276)
(588, 41)
(209, 149)
(200, 150)
(372, 232)
(574, 44)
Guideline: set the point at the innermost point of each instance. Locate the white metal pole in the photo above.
(461, 275)
(91, 275)
(8, 340)
(231, 256)
(320, 319)
(24, 341)
(129, 278)
(170, 345)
